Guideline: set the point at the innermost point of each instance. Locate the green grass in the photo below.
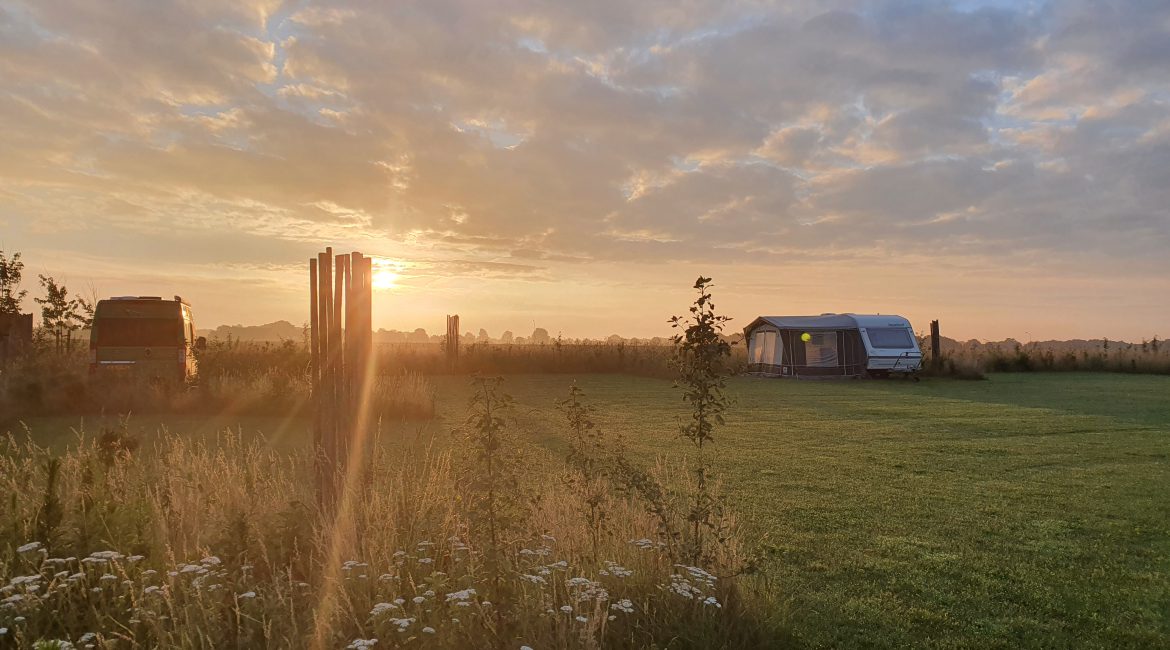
(1024, 511)
(1030, 510)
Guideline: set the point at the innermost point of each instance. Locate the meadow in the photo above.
(1029, 510)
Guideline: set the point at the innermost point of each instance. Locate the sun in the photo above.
(385, 275)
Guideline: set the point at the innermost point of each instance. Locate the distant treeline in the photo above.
(286, 331)
(1101, 355)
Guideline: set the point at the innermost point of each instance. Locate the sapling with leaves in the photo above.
(701, 357)
(62, 315)
(11, 273)
(593, 463)
(498, 499)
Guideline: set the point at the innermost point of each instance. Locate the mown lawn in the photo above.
(1023, 511)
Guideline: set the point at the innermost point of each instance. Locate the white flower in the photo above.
(623, 605)
(536, 580)
(382, 608)
(418, 600)
(525, 647)
(360, 644)
(24, 580)
(466, 594)
(106, 555)
(87, 637)
(711, 601)
(568, 609)
(425, 560)
(211, 560)
(109, 577)
(248, 594)
(429, 630)
(26, 548)
(582, 619)
(616, 570)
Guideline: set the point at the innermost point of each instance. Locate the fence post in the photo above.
(935, 346)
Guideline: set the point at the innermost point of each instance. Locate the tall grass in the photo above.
(234, 379)
(1148, 357)
(181, 544)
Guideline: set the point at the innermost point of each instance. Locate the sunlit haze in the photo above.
(1003, 167)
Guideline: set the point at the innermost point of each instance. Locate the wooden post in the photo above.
(315, 353)
(935, 345)
(341, 321)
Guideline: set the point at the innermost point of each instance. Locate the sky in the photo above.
(1003, 167)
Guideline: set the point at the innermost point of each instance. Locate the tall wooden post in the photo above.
(340, 359)
(935, 345)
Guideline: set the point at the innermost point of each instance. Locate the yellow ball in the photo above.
(806, 337)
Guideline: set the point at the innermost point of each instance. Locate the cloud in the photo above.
(556, 135)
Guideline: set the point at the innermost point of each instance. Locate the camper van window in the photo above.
(139, 332)
(890, 337)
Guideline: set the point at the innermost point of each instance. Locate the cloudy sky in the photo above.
(1001, 166)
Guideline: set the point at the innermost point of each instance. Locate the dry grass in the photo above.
(221, 545)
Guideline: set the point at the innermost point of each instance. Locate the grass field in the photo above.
(1031, 510)
(1024, 511)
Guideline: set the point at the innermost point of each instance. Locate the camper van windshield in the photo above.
(139, 332)
(889, 337)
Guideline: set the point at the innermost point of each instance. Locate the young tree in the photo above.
(11, 272)
(60, 314)
(700, 356)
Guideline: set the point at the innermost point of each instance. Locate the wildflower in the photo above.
(486, 603)
(624, 605)
(360, 644)
(582, 619)
(536, 580)
(18, 619)
(105, 555)
(152, 589)
(14, 598)
(712, 601)
(429, 593)
(211, 560)
(248, 594)
(399, 601)
(136, 558)
(460, 595)
(28, 548)
(429, 630)
(109, 577)
(385, 577)
(616, 570)
(24, 580)
(548, 538)
(425, 560)
(382, 608)
(568, 609)
(418, 600)
(87, 637)
(524, 647)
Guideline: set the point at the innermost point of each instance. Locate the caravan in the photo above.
(832, 345)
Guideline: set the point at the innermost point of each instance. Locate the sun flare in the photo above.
(385, 275)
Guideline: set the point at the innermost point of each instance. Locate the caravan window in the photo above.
(890, 337)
